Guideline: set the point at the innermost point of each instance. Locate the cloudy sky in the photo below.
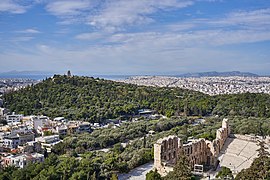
(135, 36)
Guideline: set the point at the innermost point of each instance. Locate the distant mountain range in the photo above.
(221, 74)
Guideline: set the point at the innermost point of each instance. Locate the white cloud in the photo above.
(24, 35)
(238, 37)
(117, 13)
(89, 36)
(44, 48)
(181, 26)
(111, 15)
(256, 19)
(67, 7)
(199, 38)
(12, 6)
(29, 31)
(71, 11)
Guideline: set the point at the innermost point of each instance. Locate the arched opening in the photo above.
(165, 145)
(170, 143)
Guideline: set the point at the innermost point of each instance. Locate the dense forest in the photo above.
(95, 100)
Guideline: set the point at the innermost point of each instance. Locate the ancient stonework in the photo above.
(199, 151)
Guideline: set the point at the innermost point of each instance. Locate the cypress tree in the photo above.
(181, 170)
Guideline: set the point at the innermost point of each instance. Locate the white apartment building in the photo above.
(47, 142)
(22, 160)
(15, 139)
(39, 121)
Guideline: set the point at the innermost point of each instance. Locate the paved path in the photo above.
(138, 173)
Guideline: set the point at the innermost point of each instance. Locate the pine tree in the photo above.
(45, 153)
(263, 152)
(144, 142)
(262, 163)
(224, 173)
(153, 175)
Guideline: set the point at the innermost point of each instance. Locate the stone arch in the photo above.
(175, 142)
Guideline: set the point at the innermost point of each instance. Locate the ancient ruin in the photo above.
(199, 151)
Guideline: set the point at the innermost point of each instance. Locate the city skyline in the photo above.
(135, 37)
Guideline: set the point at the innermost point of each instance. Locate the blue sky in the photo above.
(135, 36)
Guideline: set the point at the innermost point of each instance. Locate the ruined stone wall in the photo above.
(199, 151)
(221, 136)
(195, 150)
(166, 152)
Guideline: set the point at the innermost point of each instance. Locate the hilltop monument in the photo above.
(69, 74)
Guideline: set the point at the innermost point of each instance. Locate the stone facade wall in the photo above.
(199, 151)
(195, 150)
(166, 152)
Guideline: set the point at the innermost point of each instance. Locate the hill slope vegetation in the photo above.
(96, 100)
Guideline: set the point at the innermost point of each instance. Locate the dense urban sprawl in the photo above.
(11, 84)
(207, 85)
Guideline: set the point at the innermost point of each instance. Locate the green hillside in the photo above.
(96, 100)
